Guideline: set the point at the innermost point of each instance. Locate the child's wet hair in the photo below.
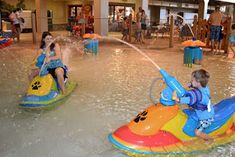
(201, 76)
(43, 44)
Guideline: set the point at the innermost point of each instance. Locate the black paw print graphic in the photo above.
(141, 116)
(36, 85)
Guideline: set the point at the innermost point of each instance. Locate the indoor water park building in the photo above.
(103, 16)
(117, 78)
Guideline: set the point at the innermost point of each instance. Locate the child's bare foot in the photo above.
(62, 92)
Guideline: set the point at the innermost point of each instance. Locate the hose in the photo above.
(151, 89)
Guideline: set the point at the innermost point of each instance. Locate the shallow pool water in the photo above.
(113, 88)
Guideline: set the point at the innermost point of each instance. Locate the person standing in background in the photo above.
(215, 20)
(138, 15)
(16, 22)
(143, 20)
(138, 36)
(125, 29)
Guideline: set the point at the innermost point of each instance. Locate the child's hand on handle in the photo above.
(175, 97)
(48, 59)
(189, 85)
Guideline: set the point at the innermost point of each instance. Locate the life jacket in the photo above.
(40, 59)
(195, 96)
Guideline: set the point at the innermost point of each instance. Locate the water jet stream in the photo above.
(134, 47)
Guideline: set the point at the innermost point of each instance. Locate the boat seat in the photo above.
(223, 111)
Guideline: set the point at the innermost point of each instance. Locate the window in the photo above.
(75, 10)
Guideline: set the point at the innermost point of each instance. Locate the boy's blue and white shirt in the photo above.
(206, 114)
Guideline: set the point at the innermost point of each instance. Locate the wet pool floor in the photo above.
(113, 88)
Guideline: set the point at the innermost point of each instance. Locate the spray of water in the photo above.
(176, 15)
(65, 55)
(44, 63)
(104, 37)
(134, 47)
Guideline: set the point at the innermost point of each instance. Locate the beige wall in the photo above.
(57, 6)
(59, 11)
(121, 1)
(28, 3)
(70, 3)
(60, 7)
(73, 2)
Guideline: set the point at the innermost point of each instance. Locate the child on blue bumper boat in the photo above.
(199, 99)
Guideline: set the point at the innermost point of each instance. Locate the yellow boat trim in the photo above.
(175, 126)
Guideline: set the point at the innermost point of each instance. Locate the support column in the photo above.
(171, 32)
(130, 27)
(145, 6)
(33, 21)
(234, 13)
(138, 3)
(205, 8)
(201, 9)
(101, 8)
(41, 16)
(228, 31)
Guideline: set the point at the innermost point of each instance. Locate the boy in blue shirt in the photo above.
(199, 100)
